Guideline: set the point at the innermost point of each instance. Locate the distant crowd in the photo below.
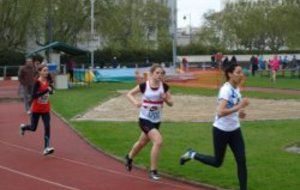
(258, 63)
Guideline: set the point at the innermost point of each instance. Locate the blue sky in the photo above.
(195, 8)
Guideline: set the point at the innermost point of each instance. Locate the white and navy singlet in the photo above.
(152, 102)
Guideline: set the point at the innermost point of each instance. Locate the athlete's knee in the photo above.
(32, 128)
(158, 142)
(218, 163)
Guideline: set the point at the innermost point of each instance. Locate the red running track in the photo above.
(75, 165)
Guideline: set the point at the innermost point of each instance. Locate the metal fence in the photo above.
(12, 71)
(9, 71)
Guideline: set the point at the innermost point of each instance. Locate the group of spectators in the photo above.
(220, 61)
(275, 64)
(259, 64)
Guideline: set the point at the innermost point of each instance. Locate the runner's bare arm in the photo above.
(167, 98)
(224, 111)
(131, 96)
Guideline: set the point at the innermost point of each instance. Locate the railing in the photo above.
(9, 71)
(12, 71)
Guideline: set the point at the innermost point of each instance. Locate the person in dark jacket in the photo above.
(26, 79)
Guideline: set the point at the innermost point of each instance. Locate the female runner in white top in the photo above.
(154, 94)
(226, 127)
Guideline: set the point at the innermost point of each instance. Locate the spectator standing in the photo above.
(26, 79)
(213, 60)
(219, 57)
(225, 62)
(233, 59)
(114, 62)
(36, 62)
(261, 65)
(254, 64)
(293, 66)
(185, 64)
(284, 63)
(275, 64)
(70, 68)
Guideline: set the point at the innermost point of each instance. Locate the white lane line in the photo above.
(37, 178)
(100, 168)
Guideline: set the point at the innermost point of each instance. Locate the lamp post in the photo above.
(174, 35)
(50, 34)
(92, 33)
(190, 26)
(49, 29)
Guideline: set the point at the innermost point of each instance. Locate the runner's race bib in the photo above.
(43, 99)
(154, 113)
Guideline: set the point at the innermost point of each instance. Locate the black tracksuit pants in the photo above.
(34, 123)
(236, 142)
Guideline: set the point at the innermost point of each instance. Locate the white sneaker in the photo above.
(154, 175)
(187, 156)
(21, 129)
(48, 150)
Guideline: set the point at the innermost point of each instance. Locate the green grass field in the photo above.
(269, 167)
(282, 82)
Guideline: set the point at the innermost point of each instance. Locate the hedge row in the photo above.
(132, 57)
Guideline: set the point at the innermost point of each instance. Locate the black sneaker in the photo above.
(186, 156)
(128, 163)
(154, 175)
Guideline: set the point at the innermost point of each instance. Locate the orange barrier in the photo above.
(204, 78)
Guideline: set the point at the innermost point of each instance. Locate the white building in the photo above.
(186, 35)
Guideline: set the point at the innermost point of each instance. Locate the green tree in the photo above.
(131, 24)
(15, 17)
(257, 25)
(70, 19)
(210, 33)
(292, 24)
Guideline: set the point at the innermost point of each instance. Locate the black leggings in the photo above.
(236, 143)
(34, 123)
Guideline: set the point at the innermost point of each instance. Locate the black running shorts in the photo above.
(147, 125)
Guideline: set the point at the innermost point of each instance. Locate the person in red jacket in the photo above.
(40, 107)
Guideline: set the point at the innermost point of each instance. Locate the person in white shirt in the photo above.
(226, 127)
(154, 94)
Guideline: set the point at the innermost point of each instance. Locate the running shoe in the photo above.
(128, 163)
(154, 175)
(48, 150)
(21, 129)
(186, 156)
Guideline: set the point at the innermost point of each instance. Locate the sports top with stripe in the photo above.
(152, 102)
(233, 96)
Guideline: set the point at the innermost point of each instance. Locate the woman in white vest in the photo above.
(226, 127)
(154, 94)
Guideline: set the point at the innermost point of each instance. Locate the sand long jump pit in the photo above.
(192, 108)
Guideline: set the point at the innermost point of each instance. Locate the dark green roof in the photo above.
(60, 46)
